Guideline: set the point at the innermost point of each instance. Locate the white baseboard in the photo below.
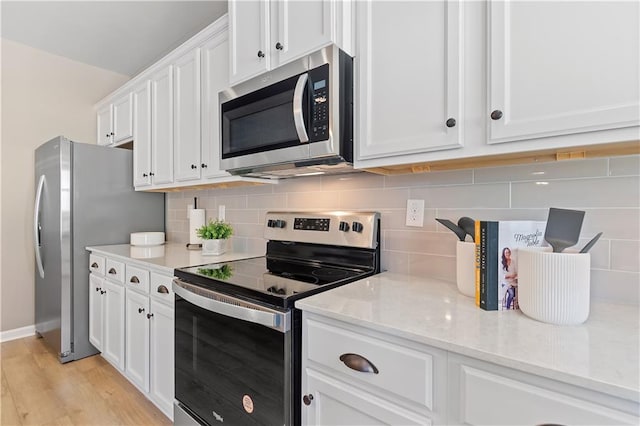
(17, 333)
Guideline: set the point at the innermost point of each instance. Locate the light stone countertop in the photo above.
(166, 257)
(602, 354)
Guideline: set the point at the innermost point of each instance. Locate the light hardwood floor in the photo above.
(38, 390)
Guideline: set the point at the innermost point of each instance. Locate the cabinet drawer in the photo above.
(137, 279)
(400, 370)
(160, 288)
(96, 264)
(487, 397)
(115, 270)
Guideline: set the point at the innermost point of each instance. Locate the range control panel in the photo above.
(353, 229)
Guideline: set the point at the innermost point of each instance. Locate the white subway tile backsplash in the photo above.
(607, 189)
(454, 177)
(578, 193)
(624, 166)
(460, 196)
(543, 171)
(625, 255)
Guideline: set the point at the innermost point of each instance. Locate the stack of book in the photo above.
(497, 244)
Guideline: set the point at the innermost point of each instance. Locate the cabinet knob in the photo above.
(204, 166)
(94, 265)
(307, 399)
(102, 291)
(144, 175)
(151, 174)
(97, 288)
(134, 280)
(496, 115)
(107, 135)
(279, 46)
(112, 133)
(193, 166)
(260, 54)
(112, 271)
(140, 310)
(149, 316)
(451, 122)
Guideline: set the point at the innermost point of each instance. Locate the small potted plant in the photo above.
(214, 237)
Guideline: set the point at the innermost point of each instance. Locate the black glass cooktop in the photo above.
(268, 280)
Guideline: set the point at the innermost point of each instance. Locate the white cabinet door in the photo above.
(113, 337)
(332, 402)
(215, 78)
(299, 28)
(96, 310)
(562, 67)
(142, 135)
(162, 126)
(104, 136)
(187, 116)
(162, 368)
(409, 62)
(122, 118)
(248, 38)
(137, 341)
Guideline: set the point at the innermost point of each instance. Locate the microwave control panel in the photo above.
(319, 128)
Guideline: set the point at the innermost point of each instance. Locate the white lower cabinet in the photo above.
(355, 376)
(137, 332)
(131, 323)
(113, 310)
(482, 393)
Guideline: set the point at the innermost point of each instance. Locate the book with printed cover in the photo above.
(497, 246)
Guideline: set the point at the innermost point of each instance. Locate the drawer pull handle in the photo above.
(163, 289)
(94, 265)
(358, 363)
(134, 280)
(112, 271)
(307, 399)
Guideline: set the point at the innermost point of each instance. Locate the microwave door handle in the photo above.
(298, 117)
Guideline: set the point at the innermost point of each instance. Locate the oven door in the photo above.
(232, 359)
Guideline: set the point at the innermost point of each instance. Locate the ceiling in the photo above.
(121, 36)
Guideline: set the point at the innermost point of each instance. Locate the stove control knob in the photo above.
(357, 227)
(344, 226)
(280, 223)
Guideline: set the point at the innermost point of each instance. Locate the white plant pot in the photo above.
(214, 247)
(466, 268)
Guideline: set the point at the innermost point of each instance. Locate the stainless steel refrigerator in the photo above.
(84, 196)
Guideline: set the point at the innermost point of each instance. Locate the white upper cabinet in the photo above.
(104, 124)
(265, 34)
(409, 64)
(215, 78)
(162, 126)
(142, 134)
(562, 67)
(122, 118)
(187, 116)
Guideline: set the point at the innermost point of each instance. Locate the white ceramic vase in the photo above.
(466, 268)
(214, 247)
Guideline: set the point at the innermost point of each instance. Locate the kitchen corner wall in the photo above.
(43, 96)
(608, 189)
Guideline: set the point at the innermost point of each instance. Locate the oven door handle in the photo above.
(298, 115)
(232, 307)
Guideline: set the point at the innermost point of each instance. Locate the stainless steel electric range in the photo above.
(237, 333)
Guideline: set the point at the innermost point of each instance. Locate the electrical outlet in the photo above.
(415, 213)
(221, 211)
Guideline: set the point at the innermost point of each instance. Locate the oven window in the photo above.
(230, 369)
(262, 120)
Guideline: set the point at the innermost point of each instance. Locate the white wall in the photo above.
(43, 96)
(608, 189)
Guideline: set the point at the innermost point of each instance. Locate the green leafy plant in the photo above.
(215, 230)
(222, 273)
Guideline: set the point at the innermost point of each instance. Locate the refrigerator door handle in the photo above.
(36, 226)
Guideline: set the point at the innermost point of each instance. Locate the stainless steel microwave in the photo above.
(295, 120)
